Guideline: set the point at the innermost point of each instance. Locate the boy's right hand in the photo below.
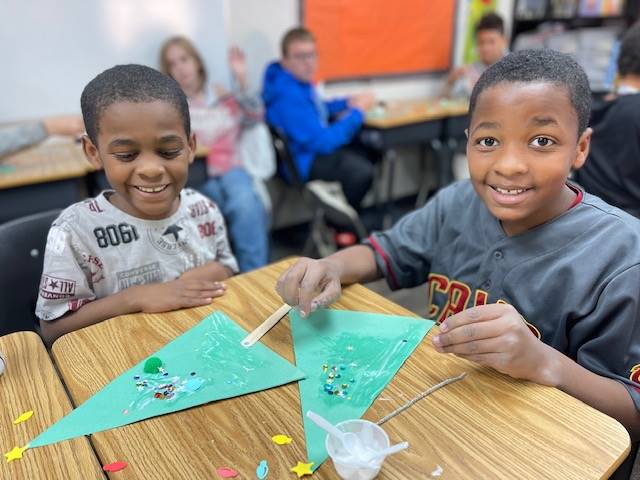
(310, 284)
(179, 293)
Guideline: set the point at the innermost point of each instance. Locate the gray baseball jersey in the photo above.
(95, 249)
(575, 279)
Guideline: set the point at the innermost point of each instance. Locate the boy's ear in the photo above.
(91, 152)
(193, 144)
(582, 149)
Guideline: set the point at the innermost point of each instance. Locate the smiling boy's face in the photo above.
(522, 143)
(145, 153)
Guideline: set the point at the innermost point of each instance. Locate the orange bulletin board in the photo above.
(367, 38)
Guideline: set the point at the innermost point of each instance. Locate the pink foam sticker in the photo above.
(115, 466)
(226, 472)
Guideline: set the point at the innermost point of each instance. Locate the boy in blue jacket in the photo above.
(318, 145)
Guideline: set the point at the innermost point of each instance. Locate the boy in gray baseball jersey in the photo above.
(526, 273)
(147, 245)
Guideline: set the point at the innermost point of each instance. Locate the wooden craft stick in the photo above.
(265, 326)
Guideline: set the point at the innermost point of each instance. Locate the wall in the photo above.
(52, 49)
(258, 25)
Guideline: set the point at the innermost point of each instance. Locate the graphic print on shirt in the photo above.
(114, 235)
(94, 206)
(53, 288)
(199, 208)
(458, 298)
(150, 273)
(170, 239)
(95, 267)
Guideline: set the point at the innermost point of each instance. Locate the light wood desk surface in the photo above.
(398, 113)
(30, 382)
(47, 162)
(485, 426)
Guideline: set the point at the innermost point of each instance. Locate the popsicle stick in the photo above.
(265, 326)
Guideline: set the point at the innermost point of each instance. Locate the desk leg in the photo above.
(432, 149)
(389, 160)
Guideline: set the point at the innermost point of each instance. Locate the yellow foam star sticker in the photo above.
(281, 439)
(23, 417)
(302, 469)
(16, 453)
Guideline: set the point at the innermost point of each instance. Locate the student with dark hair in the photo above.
(148, 245)
(526, 273)
(491, 45)
(319, 132)
(612, 170)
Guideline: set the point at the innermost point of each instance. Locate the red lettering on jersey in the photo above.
(437, 283)
(459, 294)
(480, 298)
(634, 376)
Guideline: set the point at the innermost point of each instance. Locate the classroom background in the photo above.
(413, 133)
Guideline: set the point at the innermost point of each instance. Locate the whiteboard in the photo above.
(50, 50)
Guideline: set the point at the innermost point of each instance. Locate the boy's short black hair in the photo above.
(490, 21)
(130, 83)
(629, 57)
(547, 66)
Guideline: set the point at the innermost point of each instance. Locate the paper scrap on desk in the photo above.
(348, 358)
(23, 417)
(205, 364)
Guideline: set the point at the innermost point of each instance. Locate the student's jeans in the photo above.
(246, 217)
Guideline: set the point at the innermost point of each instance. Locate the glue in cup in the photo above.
(358, 465)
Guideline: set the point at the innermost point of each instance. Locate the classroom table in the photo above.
(44, 177)
(30, 382)
(427, 123)
(484, 426)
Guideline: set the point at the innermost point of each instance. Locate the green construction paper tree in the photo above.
(205, 364)
(353, 354)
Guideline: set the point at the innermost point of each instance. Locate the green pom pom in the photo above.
(152, 365)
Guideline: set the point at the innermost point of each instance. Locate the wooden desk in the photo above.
(48, 176)
(427, 123)
(31, 383)
(485, 426)
(406, 112)
(48, 162)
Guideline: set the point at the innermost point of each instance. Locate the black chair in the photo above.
(325, 199)
(22, 244)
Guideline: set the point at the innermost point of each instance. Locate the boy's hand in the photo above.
(310, 284)
(238, 65)
(497, 336)
(362, 101)
(180, 293)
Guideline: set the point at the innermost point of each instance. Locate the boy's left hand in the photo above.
(497, 336)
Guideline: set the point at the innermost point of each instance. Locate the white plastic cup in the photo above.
(3, 363)
(373, 439)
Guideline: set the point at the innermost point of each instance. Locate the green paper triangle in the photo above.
(204, 364)
(366, 349)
